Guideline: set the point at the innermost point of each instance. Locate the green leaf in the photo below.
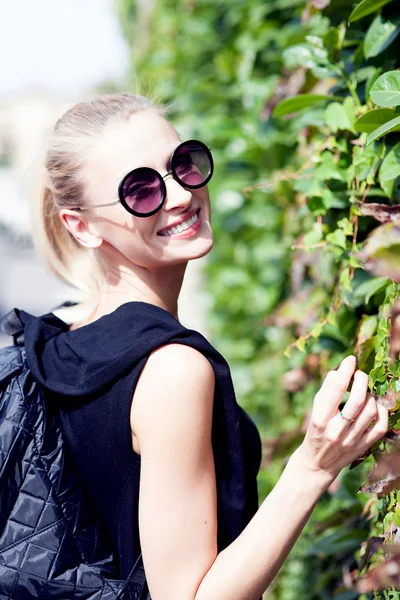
(301, 344)
(386, 89)
(387, 187)
(338, 238)
(383, 325)
(366, 7)
(366, 355)
(364, 74)
(350, 107)
(306, 55)
(290, 105)
(336, 117)
(308, 187)
(327, 168)
(345, 280)
(365, 162)
(340, 541)
(378, 374)
(317, 205)
(313, 236)
(331, 318)
(390, 167)
(367, 328)
(354, 262)
(395, 370)
(346, 225)
(370, 82)
(332, 41)
(382, 251)
(392, 125)
(282, 4)
(373, 119)
(315, 41)
(379, 36)
(382, 388)
(316, 330)
(371, 287)
(379, 286)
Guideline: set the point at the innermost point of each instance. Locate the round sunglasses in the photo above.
(142, 191)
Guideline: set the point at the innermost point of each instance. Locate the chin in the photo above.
(207, 249)
(195, 251)
(202, 247)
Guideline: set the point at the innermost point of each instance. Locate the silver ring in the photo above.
(346, 418)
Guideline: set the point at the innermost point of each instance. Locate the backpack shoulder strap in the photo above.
(11, 364)
(12, 325)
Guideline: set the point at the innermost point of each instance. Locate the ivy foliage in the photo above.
(299, 101)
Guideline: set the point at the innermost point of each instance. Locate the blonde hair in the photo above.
(63, 186)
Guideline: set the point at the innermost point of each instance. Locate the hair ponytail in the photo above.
(61, 253)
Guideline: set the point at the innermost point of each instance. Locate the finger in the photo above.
(368, 413)
(332, 391)
(358, 396)
(380, 427)
(350, 430)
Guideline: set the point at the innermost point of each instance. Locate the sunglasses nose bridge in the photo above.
(180, 183)
(167, 175)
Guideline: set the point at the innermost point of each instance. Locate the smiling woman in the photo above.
(147, 407)
(120, 184)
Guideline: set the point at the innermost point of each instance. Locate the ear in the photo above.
(78, 226)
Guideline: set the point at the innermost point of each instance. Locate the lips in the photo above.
(183, 220)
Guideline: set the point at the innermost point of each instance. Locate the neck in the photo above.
(160, 287)
(126, 282)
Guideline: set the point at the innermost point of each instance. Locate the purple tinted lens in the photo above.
(142, 190)
(191, 164)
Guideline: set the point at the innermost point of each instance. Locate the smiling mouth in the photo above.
(184, 226)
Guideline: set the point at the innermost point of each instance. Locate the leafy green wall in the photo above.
(299, 102)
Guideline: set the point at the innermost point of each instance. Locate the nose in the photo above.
(177, 196)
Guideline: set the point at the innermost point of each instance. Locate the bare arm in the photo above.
(171, 417)
(244, 570)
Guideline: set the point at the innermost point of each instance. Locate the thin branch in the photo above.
(303, 247)
(285, 176)
(334, 308)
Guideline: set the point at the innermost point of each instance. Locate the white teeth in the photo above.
(182, 226)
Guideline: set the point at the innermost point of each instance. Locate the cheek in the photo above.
(124, 231)
(204, 195)
(205, 201)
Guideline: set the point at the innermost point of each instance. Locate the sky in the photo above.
(61, 46)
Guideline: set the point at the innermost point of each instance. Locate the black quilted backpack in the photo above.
(52, 545)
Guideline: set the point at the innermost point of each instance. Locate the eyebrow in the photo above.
(167, 162)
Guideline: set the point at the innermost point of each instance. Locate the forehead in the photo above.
(147, 139)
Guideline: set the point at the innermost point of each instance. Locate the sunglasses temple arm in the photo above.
(77, 208)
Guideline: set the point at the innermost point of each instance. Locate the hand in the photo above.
(333, 440)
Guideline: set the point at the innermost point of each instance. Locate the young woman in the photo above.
(147, 406)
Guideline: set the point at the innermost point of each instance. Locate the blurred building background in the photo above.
(50, 68)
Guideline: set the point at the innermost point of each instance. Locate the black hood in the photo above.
(85, 360)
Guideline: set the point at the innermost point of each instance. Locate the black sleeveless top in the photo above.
(91, 373)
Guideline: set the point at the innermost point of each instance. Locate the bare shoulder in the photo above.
(176, 383)
(180, 360)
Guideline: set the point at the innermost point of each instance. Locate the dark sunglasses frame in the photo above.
(171, 171)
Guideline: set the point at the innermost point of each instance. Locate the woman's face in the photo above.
(146, 140)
